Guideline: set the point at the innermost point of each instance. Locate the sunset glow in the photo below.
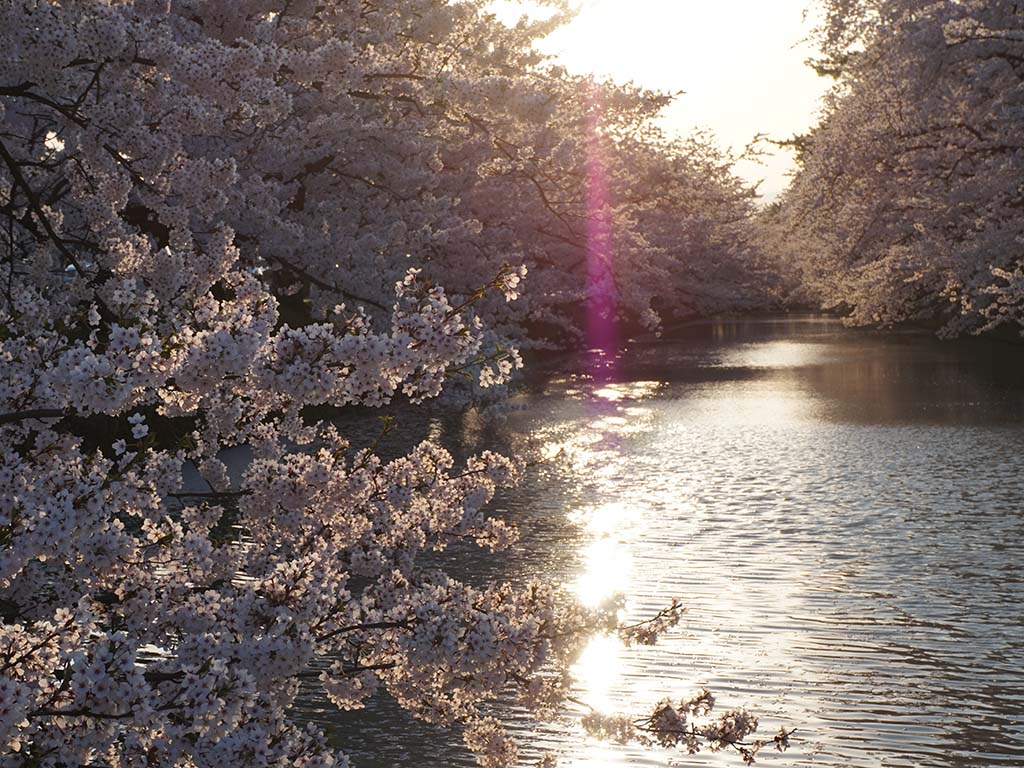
(741, 66)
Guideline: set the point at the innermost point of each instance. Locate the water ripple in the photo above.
(841, 512)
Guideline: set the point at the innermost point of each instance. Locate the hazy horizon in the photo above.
(741, 66)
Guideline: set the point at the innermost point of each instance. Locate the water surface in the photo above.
(842, 512)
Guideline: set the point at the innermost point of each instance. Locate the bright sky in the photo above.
(740, 62)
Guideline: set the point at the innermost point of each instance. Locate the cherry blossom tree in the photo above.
(222, 219)
(908, 204)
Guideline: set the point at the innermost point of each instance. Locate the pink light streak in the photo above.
(602, 334)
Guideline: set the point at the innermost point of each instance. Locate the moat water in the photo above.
(841, 511)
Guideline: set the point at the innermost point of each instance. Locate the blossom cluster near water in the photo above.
(225, 222)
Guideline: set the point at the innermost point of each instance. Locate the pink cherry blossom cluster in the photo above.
(222, 221)
(907, 203)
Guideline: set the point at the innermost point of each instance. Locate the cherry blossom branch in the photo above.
(36, 413)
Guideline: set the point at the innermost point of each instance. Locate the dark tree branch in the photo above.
(37, 413)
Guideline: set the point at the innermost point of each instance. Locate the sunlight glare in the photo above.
(607, 574)
(551, 450)
(598, 669)
(608, 559)
(603, 520)
(608, 393)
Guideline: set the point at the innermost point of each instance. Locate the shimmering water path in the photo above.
(843, 513)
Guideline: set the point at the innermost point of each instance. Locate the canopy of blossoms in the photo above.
(908, 205)
(219, 218)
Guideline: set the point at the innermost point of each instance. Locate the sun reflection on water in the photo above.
(611, 393)
(608, 560)
(599, 451)
(630, 390)
(597, 670)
